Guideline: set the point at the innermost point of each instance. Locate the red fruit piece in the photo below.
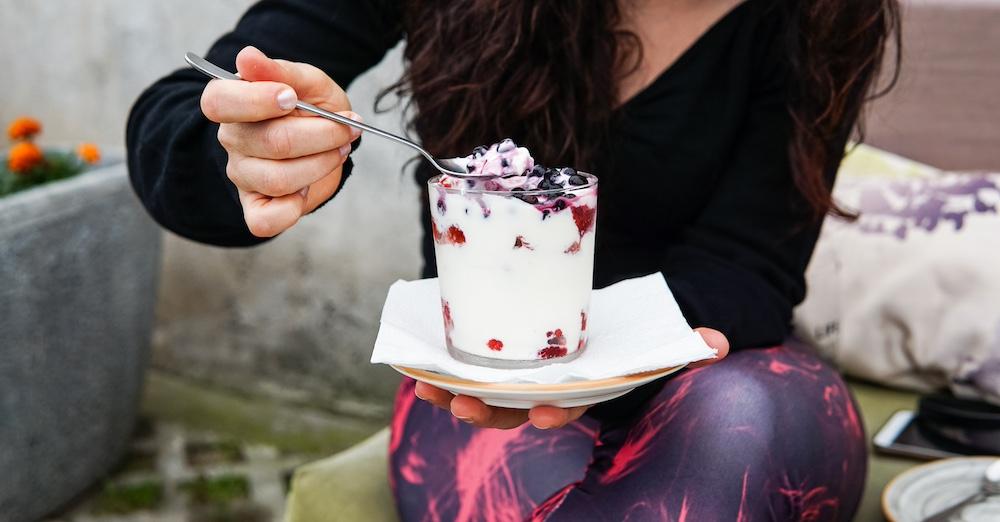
(455, 235)
(437, 233)
(584, 218)
(551, 352)
(583, 321)
(573, 249)
(449, 324)
(495, 345)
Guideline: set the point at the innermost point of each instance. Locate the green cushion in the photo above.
(353, 485)
(877, 405)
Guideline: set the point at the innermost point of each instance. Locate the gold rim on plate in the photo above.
(424, 375)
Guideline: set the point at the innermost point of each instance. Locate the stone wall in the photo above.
(294, 318)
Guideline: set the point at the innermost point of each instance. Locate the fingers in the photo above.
(288, 137)
(282, 177)
(715, 339)
(311, 83)
(436, 396)
(235, 101)
(551, 417)
(476, 412)
(269, 216)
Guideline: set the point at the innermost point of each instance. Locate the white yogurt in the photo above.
(515, 277)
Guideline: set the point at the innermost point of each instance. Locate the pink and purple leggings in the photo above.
(767, 434)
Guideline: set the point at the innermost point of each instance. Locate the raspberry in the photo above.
(551, 352)
(584, 218)
(455, 235)
(495, 345)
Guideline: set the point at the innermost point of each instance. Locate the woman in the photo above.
(716, 127)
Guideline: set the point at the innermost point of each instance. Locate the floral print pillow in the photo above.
(909, 293)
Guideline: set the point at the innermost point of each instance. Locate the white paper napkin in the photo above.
(633, 326)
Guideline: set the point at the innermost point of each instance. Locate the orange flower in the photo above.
(89, 153)
(24, 128)
(24, 156)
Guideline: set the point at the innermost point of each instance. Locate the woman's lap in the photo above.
(768, 434)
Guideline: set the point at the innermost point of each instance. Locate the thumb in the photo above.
(310, 83)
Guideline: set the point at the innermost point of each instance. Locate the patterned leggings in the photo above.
(767, 434)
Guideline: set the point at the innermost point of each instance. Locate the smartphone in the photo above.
(901, 435)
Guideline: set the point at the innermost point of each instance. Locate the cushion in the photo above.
(909, 294)
(351, 485)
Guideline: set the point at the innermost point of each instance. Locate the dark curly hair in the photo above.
(520, 68)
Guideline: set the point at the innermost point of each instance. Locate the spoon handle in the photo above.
(210, 69)
(945, 516)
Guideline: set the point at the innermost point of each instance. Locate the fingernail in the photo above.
(355, 132)
(345, 151)
(304, 192)
(287, 99)
(467, 420)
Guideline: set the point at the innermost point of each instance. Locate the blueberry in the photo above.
(504, 163)
(537, 171)
(552, 173)
(576, 180)
(506, 145)
(478, 151)
(531, 200)
(517, 189)
(569, 171)
(547, 184)
(559, 205)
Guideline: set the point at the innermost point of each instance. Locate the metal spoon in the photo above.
(990, 486)
(450, 167)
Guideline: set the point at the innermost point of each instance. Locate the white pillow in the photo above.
(909, 295)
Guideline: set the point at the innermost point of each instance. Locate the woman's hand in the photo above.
(283, 164)
(475, 412)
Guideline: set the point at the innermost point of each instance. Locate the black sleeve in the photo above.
(176, 164)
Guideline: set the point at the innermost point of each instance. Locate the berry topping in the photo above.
(583, 321)
(573, 249)
(519, 242)
(557, 337)
(577, 180)
(495, 345)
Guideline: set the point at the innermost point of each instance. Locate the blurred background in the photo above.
(146, 377)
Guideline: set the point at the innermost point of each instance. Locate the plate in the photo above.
(931, 488)
(527, 395)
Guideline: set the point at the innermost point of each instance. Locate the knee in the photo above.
(768, 391)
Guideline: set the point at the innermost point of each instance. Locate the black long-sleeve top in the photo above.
(701, 188)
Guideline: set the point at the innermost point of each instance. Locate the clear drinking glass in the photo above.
(516, 271)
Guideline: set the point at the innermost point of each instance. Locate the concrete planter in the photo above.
(79, 262)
